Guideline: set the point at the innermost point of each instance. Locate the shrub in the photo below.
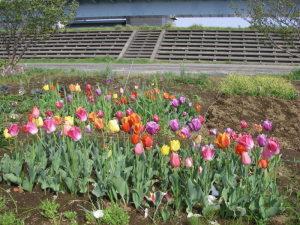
(270, 86)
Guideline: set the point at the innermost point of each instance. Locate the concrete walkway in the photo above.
(210, 69)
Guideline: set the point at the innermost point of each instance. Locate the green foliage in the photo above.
(49, 209)
(197, 221)
(71, 216)
(9, 218)
(115, 215)
(294, 75)
(258, 86)
(2, 203)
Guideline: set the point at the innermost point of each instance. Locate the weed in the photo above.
(2, 203)
(49, 209)
(258, 86)
(9, 218)
(115, 215)
(71, 216)
(90, 219)
(294, 75)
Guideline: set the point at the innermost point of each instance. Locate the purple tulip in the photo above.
(175, 103)
(195, 124)
(108, 97)
(152, 127)
(185, 131)
(174, 124)
(88, 129)
(182, 99)
(98, 91)
(267, 125)
(213, 132)
(69, 98)
(261, 140)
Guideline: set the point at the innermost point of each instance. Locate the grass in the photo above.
(294, 75)
(266, 86)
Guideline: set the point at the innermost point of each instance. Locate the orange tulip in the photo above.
(126, 127)
(222, 140)
(137, 128)
(135, 139)
(58, 120)
(92, 116)
(263, 163)
(72, 87)
(166, 95)
(198, 107)
(98, 122)
(134, 118)
(147, 141)
(239, 149)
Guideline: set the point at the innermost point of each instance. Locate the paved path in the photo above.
(211, 69)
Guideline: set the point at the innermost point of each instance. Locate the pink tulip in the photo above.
(81, 114)
(74, 133)
(139, 148)
(202, 119)
(35, 112)
(188, 162)
(246, 140)
(246, 160)
(100, 113)
(155, 118)
(49, 113)
(49, 125)
(273, 146)
(267, 125)
(175, 160)
(129, 112)
(66, 129)
(59, 104)
(30, 128)
(243, 124)
(119, 115)
(13, 130)
(208, 152)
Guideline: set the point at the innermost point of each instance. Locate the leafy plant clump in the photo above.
(9, 218)
(49, 209)
(115, 215)
(270, 86)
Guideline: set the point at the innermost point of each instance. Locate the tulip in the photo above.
(243, 124)
(69, 98)
(202, 119)
(257, 127)
(6, 134)
(185, 132)
(165, 150)
(247, 141)
(147, 141)
(119, 115)
(188, 162)
(139, 149)
(69, 120)
(77, 88)
(98, 123)
(30, 128)
(88, 88)
(184, 114)
(113, 126)
(175, 160)
(200, 169)
(88, 128)
(213, 132)
(198, 139)
(135, 139)
(246, 160)
(115, 96)
(222, 140)
(155, 118)
(66, 129)
(35, 112)
(174, 145)
(98, 92)
(49, 113)
(174, 124)
(59, 104)
(136, 87)
(129, 112)
(182, 100)
(239, 149)
(208, 152)
(81, 114)
(100, 113)
(273, 146)
(263, 163)
(175, 103)
(107, 97)
(74, 133)
(39, 122)
(267, 125)
(261, 140)
(13, 130)
(195, 124)
(121, 90)
(46, 87)
(152, 127)
(49, 125)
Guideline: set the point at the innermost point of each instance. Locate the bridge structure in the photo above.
(152, 12)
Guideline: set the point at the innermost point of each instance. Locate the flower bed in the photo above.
(143, 147)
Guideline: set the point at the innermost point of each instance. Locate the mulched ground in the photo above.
(221, 112)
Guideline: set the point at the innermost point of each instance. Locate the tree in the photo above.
(25, 22)
(277, 19)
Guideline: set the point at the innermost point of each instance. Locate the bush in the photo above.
(270, 86)
(115, 215)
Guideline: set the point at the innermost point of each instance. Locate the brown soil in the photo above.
(221, 111)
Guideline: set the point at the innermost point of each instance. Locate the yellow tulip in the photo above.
(39, 122)
(165, 150)
(115, 96)
(77, 88)
(69, 120)
(175, 145)
(6, 134)
(113, 126)
(46, 87)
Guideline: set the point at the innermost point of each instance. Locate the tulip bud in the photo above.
(139, 149)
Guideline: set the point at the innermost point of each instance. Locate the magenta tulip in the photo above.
(195, 124)
(59, 104)
(246, 140)
(75, 133)
(267, 125)
(30, 128)
(243, 124)
(152, 127)
(261, 140)
(208, 152)
(155, 118)
(49, 125)
(81, 114)
(182, 99)
(174, 124)
(175, 103)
